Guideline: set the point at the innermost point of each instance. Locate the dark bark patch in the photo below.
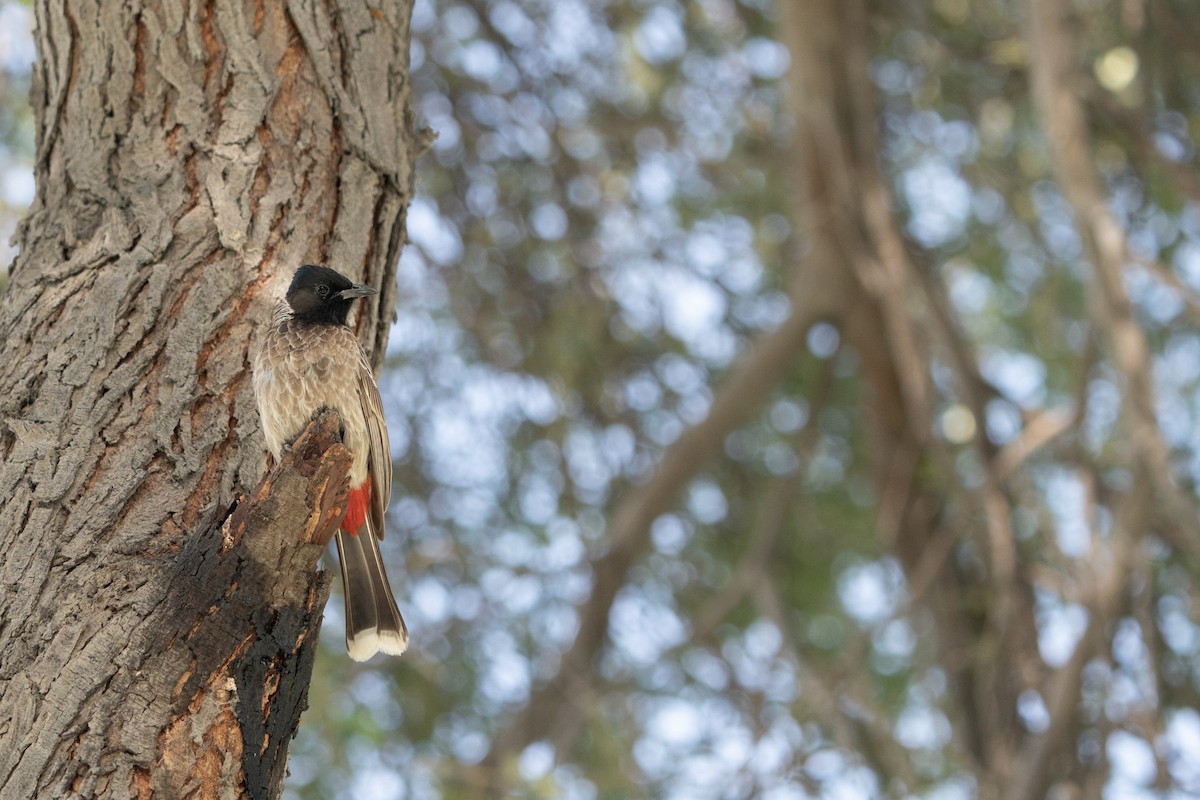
(272, 690)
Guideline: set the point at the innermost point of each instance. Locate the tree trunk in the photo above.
(157, 637)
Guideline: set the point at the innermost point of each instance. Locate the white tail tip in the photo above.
(367, 643)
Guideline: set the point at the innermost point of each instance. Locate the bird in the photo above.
(310, 360)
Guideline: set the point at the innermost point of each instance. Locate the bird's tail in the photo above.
(373, 622)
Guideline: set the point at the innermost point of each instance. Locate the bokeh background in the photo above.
(614, 217)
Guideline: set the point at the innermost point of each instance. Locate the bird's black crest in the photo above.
(323, 295)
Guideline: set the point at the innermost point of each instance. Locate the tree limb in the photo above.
(269, 609)
(744, 390)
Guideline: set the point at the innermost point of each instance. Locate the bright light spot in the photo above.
(953, 789)
(870, 591)
(505, 677)
(1117, 68)
(18, 186)
(460, 22)
(958, 424)
(644, 626)
(969, 290)
(706, 502)
(16, 40)
(469, 747)
(549, 221)
(706, 253)
(1067, 498)
(788, 416)
(660, 37)
(480, 59)
(897, 639)
(823, 340)
(669, 534)
(1176, 627)
(1033, 712)
(1132, 759)
(691, 308)
(1059, 630)
(430, 598)
(826, 765)
(433, 233)
(762, 640)
(536, 760)
(378, 783)
(766, 58)
(1183, 736)
(1020, 376)
(538, 500)
(654, 181)
(922, 728)
(1003, 421)
(940, 201)
(677, 722)
(512, 21)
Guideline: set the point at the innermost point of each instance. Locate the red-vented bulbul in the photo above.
(311, 360)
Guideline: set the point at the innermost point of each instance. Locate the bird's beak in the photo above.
(356, 291)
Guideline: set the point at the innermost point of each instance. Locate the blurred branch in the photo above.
(976, 389)
(1041, 428)
(858, 725)
(744, 390)
(779, 497)
(781, 494)
(1053, 67)
(1145, 152)
(1031, 775)
(1160, 272)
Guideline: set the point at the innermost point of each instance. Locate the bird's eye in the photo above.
(322, 289)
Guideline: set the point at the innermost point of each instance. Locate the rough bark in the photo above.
(189, 157)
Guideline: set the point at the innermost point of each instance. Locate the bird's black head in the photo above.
(323, 295)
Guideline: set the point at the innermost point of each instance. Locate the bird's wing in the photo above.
(379, 460)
